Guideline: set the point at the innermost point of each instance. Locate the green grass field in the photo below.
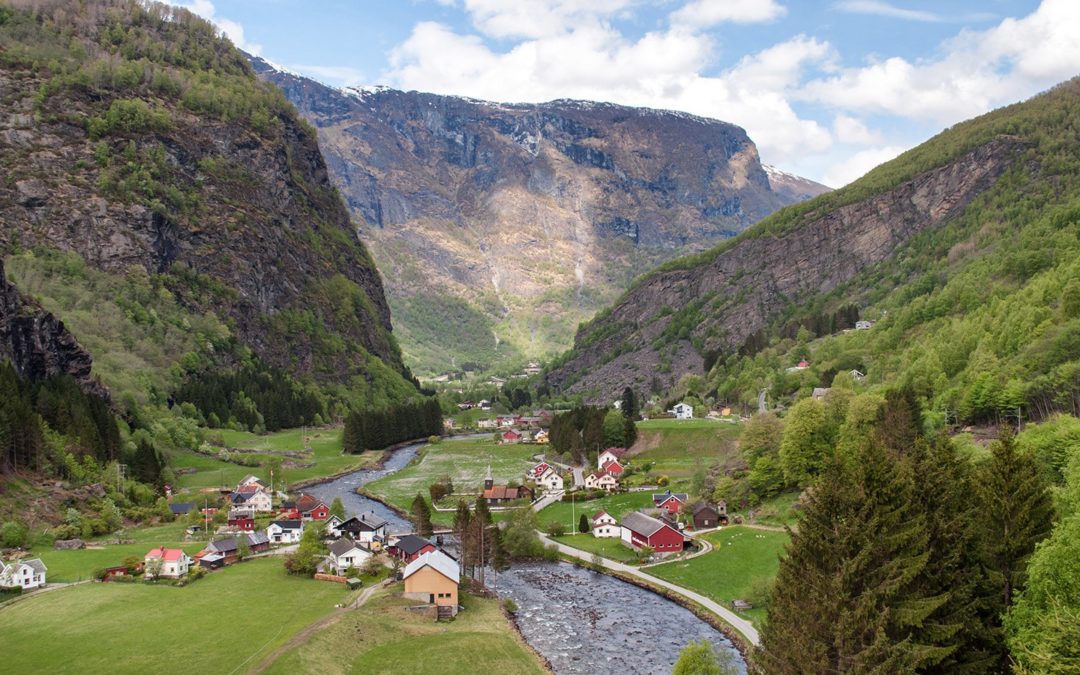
(741, 565)
(385, 637)
(678, 447)
(324, 457)
(219, 624)
(465, 461)
(607, 547)
(81, 564)
(617, 505)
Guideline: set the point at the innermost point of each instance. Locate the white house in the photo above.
(610, 455)
(486, 424)
(25, 574)
(605, 525)
(550, 480)
(601, 480)
(172, 563)
(285, 531)
(345, 553)
(257, 499)
(251, 480)
(683, 411)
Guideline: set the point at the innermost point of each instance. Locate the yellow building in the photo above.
(433, 578)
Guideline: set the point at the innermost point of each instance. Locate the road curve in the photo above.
(745, 628)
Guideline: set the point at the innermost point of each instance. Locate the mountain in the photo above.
(143, 156)
(499, 227)
(964, 250)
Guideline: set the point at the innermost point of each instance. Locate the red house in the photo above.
(410, 547)
(311, 508)
(669, 501)
(614, 468)
(244, 520)
(646, 531)
(511, 437)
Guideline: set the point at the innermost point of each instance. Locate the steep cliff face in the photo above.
(660, 329)
(527, 218)
(148, 142)
(37, 343)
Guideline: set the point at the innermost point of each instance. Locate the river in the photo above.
(581, 621)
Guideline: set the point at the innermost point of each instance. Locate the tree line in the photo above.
(587, 430)
(375, 429)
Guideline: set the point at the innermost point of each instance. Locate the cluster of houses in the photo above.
(22, 574)
(609, 470)
(495, 495)
(660, 531)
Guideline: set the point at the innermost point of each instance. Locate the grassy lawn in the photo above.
(741, 561)
(325, 456)
(678, 447)
(81, 564)
(214, 625)
(607, 547)
(777, 511)
(617, 505)
(385, 637)
(465, 461)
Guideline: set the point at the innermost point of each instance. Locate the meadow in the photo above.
(742, 564)
(617, 505)
(385, 637)
(465, 461)
(606, 547)
(220, 624)
(678, 448)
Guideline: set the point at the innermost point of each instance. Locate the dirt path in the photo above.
(303, 636)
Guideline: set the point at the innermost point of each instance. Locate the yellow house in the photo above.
(433, 578)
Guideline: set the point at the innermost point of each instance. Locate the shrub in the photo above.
(663, 481)
(556, 529)
(551, 553)
(510, 606)
(13, 534)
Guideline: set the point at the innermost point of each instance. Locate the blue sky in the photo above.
(826, 89)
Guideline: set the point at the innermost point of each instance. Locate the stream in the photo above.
(581, 621)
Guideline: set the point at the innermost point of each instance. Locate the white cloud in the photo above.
(856, 165)
(880, 8)
(705, 13)
(538, 18)
(853, 131)
(232, 30)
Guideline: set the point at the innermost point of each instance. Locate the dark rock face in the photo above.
(510, 206)
(749, 283)
(38, 345)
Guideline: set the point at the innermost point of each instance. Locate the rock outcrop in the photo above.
(740, 288)
(533, 215)
(37, 343)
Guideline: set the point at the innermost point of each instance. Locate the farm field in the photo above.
(617, 505)
(607, 547)
(219, 624)
(385, 637)
(82, 563)
(465, 461)
(742, 564)
(325, 457)
(678, 447)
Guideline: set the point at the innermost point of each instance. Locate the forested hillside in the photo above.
(974, 284)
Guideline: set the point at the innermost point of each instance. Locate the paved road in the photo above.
(738, 623)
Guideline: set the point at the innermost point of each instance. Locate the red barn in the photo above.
(642, 530)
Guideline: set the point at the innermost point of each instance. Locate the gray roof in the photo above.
(662, 496)
(343, 546)
(644, 525)
(437, 560)
(704, 505)
(289, 524)
(223, 545)
(181, 507)
(256, 538)
(36, 564)
(411, 543)
(372, 520)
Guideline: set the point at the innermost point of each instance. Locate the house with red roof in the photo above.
(605, 525)
(169, 563)
(614, 468)
(610, 455)
(500, 494)
(311, 508)
(510, 436)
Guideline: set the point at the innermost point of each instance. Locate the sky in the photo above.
(826, 89)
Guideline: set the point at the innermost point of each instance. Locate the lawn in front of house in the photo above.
(606, 547)
(465, 461)
(618, 505)
(742, 565)
(221, 623)
(384, 636)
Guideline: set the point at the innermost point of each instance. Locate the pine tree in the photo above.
(583, 524)
(629, 404)
(900, 421)
(1016, 513)
(846, 597)
(421, 514)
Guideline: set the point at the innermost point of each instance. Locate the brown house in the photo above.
(433, 578)
(706, 515)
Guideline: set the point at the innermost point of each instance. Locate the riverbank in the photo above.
(377, 465)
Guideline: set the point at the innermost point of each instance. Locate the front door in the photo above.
(431, 598)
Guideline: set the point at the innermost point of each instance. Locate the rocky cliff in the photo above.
(147, 141)
(37, 343)
(518, 221)
(660, 330)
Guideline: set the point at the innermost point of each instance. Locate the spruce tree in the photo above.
(421, 514)
(1016, 513)
(629, 404)
(846, 597)
(583, 524)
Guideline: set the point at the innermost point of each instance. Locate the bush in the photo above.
(510, 606)
(13, 534)
(556, 529)
(663, 481)
(551, 553)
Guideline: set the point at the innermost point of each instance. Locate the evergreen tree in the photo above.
(1016, 513)
(583, 524)
(630, 409)
(421, 514)
(847, 597)
(900, 421)
(337, 508)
